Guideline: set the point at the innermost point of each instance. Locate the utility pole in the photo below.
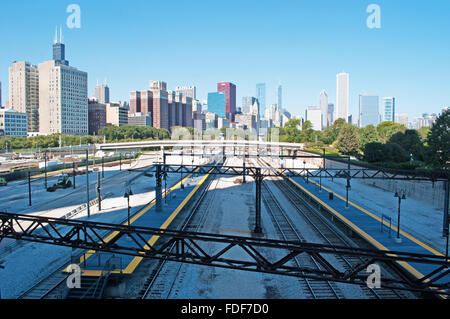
(400, 197)
(45, 170)
(29, 188)
(87, 184)
(98, 191)
(446, 215)
(347, 187)
(73, 173)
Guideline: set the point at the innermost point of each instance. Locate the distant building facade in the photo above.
(97, 116)
(389, 109)
(101, 93)
(24, 92)
(217, 103)
(247, 103)
(369, 113)
(116, 114)
(230, 98)
(342, 96)
(139, 119)
(13, 123)
(189, 91)
(261, 96)
(314, 115)
(323, 103)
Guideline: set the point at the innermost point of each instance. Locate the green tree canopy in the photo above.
(348, 139)
(439, 142)
(368, 135)
(411, 142)
(387, 129)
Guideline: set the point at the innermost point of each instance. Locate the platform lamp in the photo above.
(127, 195)
(304, 169)
(400, 198)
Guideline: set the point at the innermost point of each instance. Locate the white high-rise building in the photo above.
(323, 103)
(102, 93)
(402, 119)
(24, 92)
(280, 97)
(63, 99)
(314, 115)
(389, 109)
(342, 96)
(189, 91)
(63, 95)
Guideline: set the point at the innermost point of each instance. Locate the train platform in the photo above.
(379, 231)
(92, 263)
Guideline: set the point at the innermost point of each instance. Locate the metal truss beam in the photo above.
(349, 173)
(212, 250)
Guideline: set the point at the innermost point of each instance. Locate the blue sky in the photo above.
(300, 44)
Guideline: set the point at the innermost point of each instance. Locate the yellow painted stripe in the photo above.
(430, 249)
(113, 234)
(369, 238)
(405, 265)
(135, 262)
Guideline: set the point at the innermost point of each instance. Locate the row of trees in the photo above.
(387, 142)
(108, 134)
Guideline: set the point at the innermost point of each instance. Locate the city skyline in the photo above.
(386, 74)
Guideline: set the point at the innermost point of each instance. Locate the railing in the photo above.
(96, 289)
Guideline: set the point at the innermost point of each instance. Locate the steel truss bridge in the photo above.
(195, 248)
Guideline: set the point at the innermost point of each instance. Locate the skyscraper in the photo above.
(190, 91)
(230, 98)
(24, 92)
(330, 114)
(369, 113)
(402, 119)
(279, 97)
(63, 100)
(160, 110)
(217, 103)
(247, 103)
(102, 93)
(342, 96)
(314, 115)
(59, 49)
(135, 102)
(389, 109)
(323, 104)
(261, 96)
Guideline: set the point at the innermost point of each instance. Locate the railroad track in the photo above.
(50, 283)
(161, 282)
(287, 230)
(331, 235)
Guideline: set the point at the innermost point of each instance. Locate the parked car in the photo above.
(3, 181)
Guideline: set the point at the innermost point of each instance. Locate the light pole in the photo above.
(304, 169)
(87, 184)
(45, 159)
(400, 197)
(96, 169)
(127, 195)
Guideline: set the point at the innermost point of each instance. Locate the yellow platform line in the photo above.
(369, 238)
(151, 241)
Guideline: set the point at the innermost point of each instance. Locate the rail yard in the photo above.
(225, 222)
